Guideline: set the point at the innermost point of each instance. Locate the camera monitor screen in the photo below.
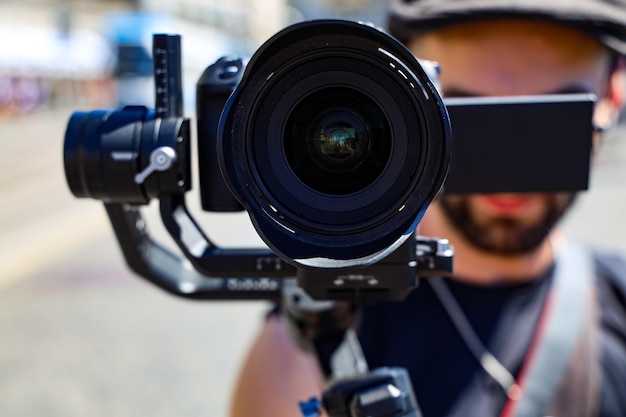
(520, 144)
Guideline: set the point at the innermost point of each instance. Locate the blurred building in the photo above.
(250, 22)
(246, 23)
(372, 11)
(98, 52)
(54, 54)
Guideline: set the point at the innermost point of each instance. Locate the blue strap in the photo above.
(311, 408)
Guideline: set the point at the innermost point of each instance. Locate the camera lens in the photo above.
(337, 141)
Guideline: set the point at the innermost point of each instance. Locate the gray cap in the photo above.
(604, 20)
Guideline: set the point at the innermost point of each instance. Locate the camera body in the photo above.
(215, 86)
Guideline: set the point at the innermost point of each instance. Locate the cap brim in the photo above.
(606, 24)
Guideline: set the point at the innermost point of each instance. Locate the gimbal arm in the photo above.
(193, 276)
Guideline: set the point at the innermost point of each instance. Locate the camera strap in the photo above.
(549, 380)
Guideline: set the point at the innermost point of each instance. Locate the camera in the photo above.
(333, 138)
(335, 141)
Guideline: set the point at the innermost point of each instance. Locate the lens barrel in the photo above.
(335, 142)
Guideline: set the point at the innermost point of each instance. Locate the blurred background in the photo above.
(80, 335)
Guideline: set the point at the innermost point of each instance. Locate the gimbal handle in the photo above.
(383, 392)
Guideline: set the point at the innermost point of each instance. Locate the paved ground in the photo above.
(82, 336)
(79, 334)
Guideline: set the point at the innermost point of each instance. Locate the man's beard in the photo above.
(505, 236)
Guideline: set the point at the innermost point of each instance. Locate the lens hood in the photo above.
(335, 141)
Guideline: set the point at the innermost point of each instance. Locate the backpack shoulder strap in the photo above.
(560, 368)
(567, 314)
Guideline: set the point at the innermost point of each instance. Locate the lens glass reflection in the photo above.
(337, 140)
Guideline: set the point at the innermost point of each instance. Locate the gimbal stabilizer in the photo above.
(352, 241)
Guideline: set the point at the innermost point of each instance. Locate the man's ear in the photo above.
(609, 106)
